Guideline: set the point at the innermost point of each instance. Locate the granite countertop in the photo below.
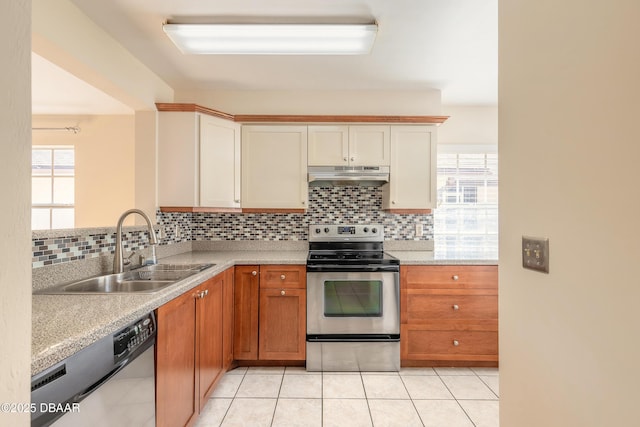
(434, 258)
(65, 324)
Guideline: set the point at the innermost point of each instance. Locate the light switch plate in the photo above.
(535, 253)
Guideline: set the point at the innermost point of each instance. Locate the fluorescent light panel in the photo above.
(274, 39)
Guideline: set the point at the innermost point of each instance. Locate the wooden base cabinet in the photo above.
(270, 313)
(283, 313)
(245, 308)
(176, 402)
(449, 315)
(190, 349)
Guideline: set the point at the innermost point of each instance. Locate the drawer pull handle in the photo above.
(282, 277)
(455, 307)
(455, 277)
(254, 273)
(456, 343)
(282, 292)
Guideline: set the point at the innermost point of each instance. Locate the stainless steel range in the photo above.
(353, 300)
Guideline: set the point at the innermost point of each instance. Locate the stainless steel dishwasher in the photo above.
(110, 383)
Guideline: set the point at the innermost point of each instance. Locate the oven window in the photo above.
(353, 298)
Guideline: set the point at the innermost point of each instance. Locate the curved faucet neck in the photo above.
(118, 257)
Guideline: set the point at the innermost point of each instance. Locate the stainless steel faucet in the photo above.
(118, 259)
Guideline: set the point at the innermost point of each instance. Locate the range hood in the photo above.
(340, 176)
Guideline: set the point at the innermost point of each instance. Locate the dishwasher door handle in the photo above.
(101, 381)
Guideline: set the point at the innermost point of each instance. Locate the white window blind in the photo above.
(52, 187)
(466, 220)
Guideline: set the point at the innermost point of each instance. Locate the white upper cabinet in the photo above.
(328, 145)
(412, 181)
(178, 159)
(274, 167)
(369, 145)
(362, 145)
(198, 161)
(219, 163)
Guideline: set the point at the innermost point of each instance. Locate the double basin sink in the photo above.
(144, 280)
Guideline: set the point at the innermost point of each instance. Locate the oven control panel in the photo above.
(346, 232)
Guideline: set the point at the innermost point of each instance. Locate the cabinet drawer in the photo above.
(449, 276)
(420, 344)
(283, 276)
(429, 306)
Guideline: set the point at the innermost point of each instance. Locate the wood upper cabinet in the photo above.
(283, 313)
(246, 300)
(274, 167)
(189, 351)
(270, 312)
(366, 145)
(412, 180)
(449, 315)
(198, 161)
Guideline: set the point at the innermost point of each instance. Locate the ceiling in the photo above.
(450, 45)
(55, 91)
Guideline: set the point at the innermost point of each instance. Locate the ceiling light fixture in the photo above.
(273, 39)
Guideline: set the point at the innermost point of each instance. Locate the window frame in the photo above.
(53, 205)
(454, 208)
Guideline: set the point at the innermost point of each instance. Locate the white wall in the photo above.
(421, 102)
(65, 36)
(568, 123)
(105, 160)
(15, 226)
(145, 164)
(469, 125)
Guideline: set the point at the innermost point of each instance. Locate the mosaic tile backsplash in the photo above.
(78, 247)
(327, 205)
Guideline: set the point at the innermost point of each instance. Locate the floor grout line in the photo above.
(367, 398)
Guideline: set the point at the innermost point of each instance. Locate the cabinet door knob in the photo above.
(206, 292)
(254, 273)
(303, 202)
(346, 159)
(353, 159)
(455, 307)
(456, 343)
(282, 292)
(455, 277)
(282, 277)
(237, 200)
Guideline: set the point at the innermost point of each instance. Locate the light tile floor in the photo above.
(289, 397)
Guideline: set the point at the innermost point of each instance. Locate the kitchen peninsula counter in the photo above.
(65, 324)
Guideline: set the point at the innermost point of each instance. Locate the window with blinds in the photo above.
(52, 187)
(466, 220)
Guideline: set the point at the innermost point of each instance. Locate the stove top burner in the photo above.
(349, 247)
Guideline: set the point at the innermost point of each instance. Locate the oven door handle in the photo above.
(394, 268)
(354, 338)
